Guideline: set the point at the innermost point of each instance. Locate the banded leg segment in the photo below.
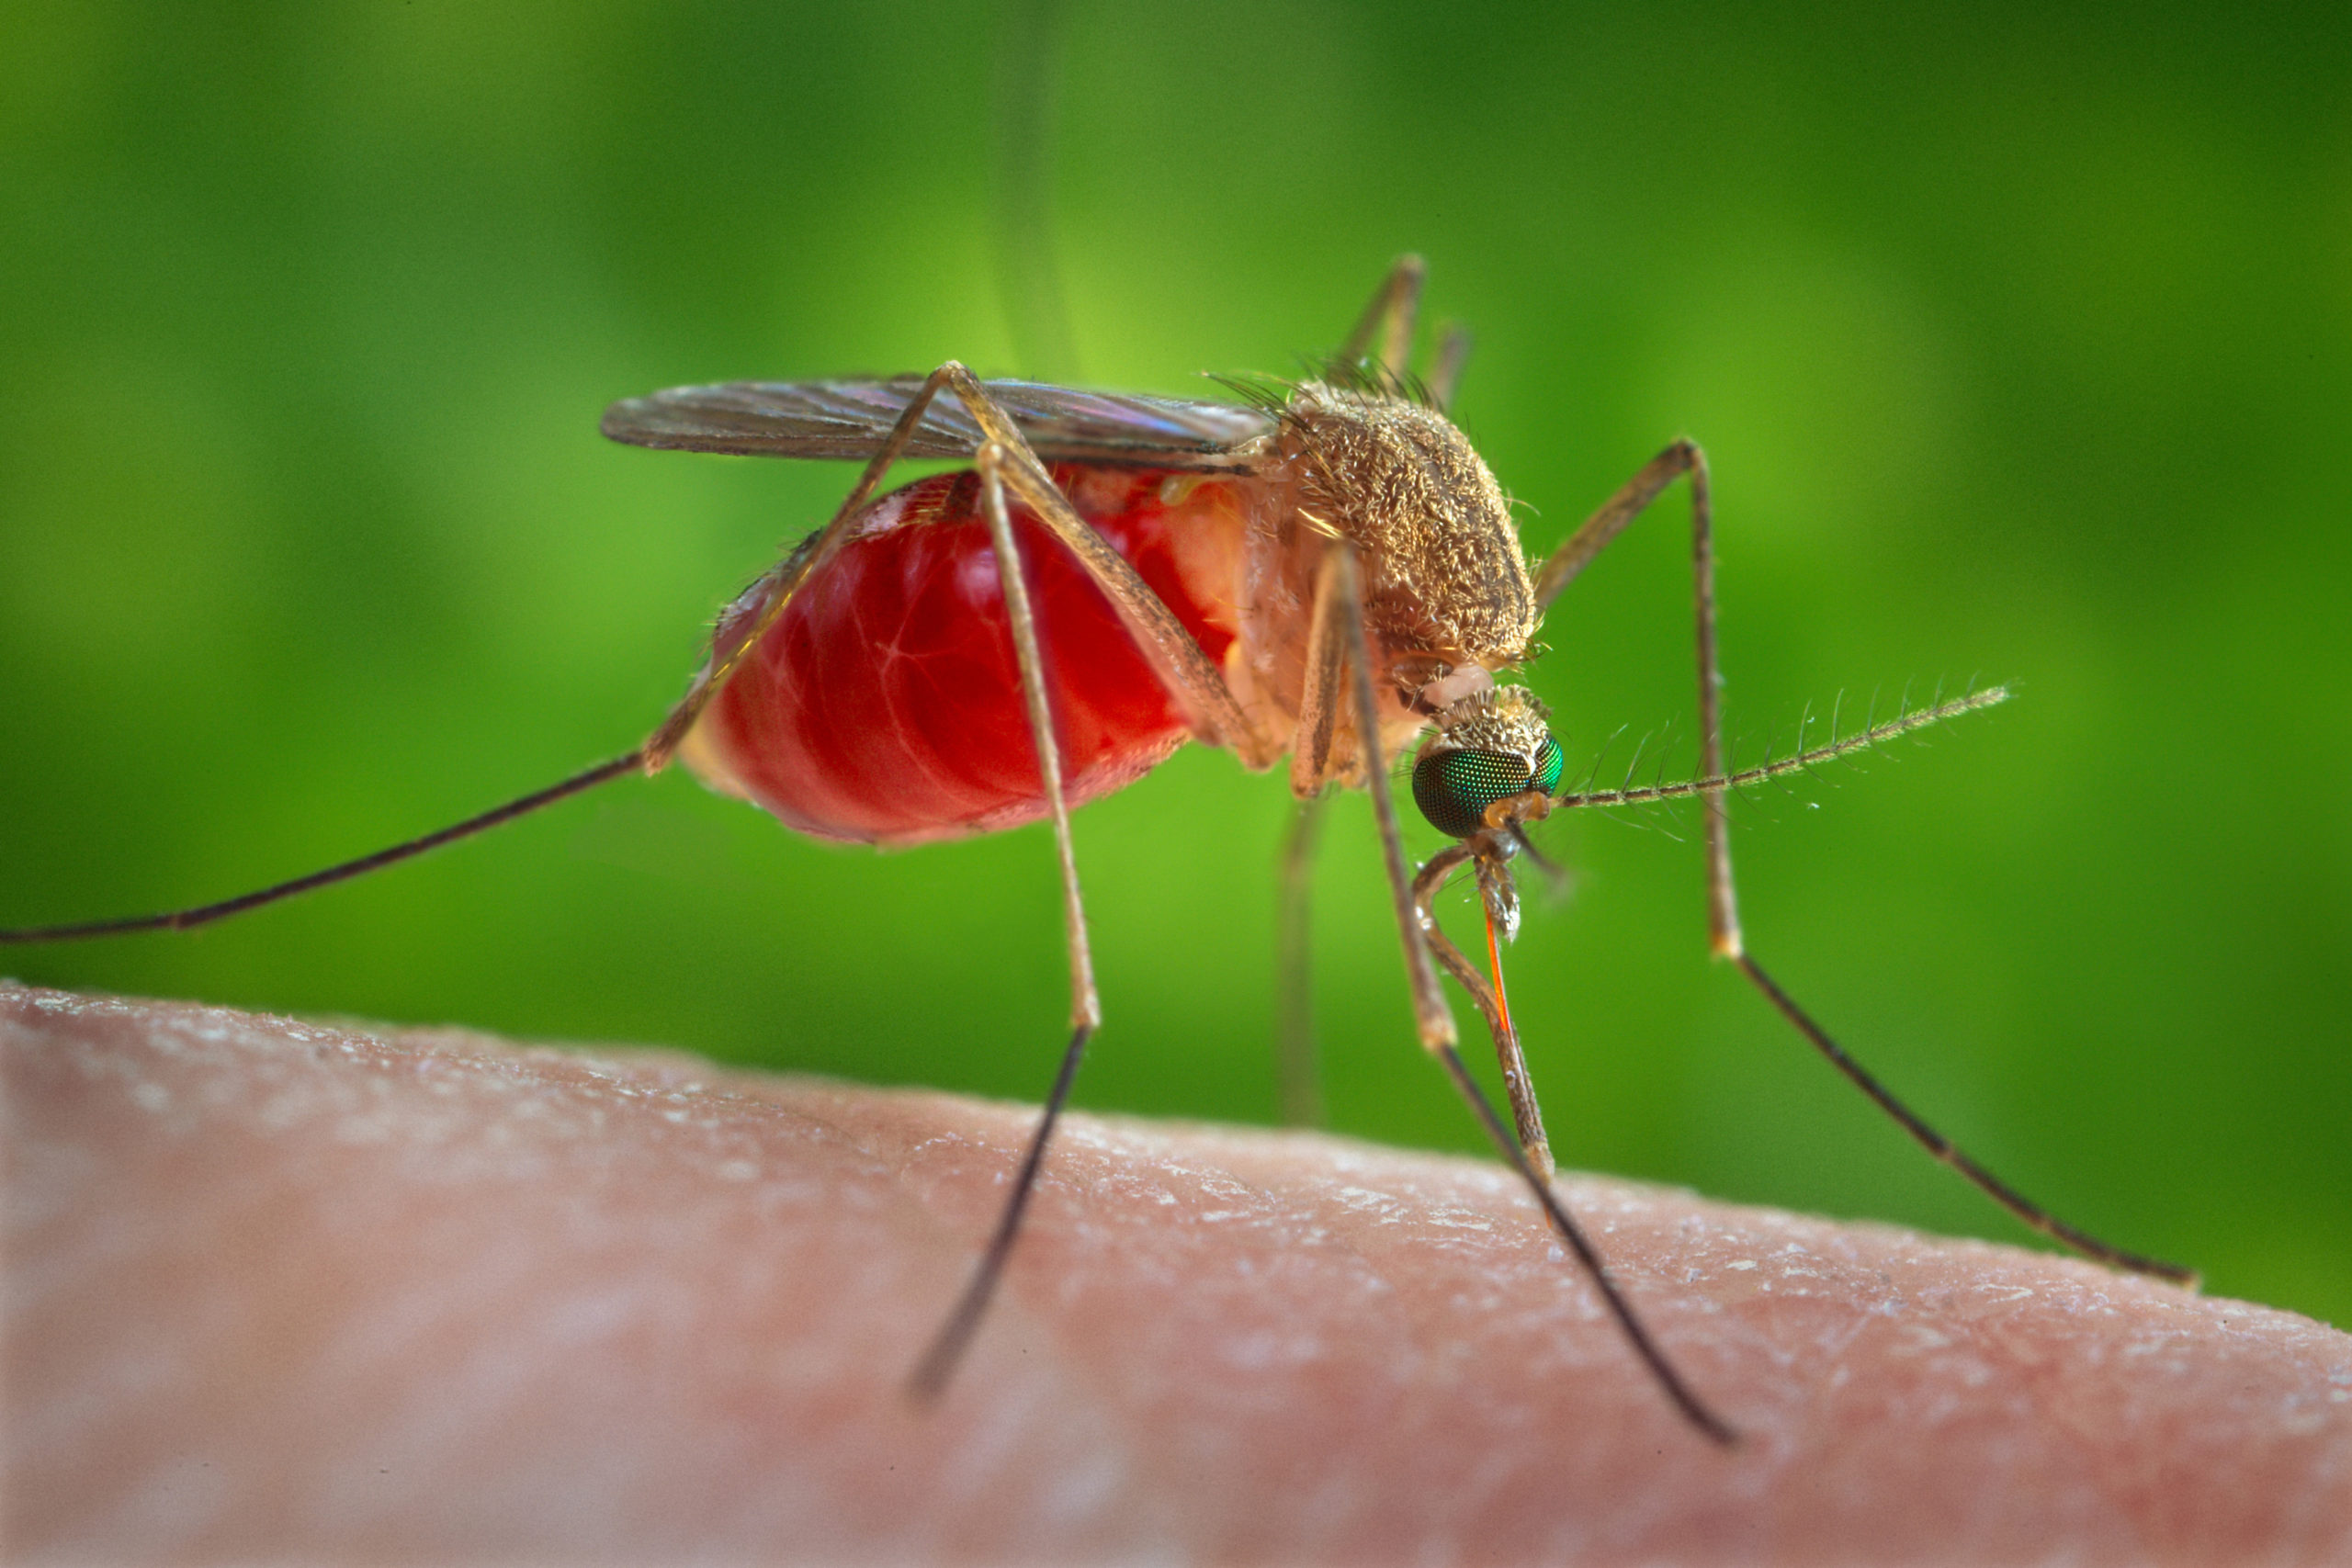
(1322, 699)
(1190, 678)
(1341, 578)
(653, 756)
(1340, 643)
(2031, 1214)
(1725, 935)
(205, 914)
(938, 1363)
(1561, 568)
(1006, 465)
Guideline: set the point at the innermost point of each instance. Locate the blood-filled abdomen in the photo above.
(885, 705)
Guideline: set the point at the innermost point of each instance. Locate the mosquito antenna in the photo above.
(1593, 772)
(1771, 746)
(1804, 728)
(1657, 778)
(1801, 762)
(205, 914)
(1634, 763)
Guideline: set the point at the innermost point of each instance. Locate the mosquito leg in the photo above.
(1311, 770)
(1576, 553)
(1320, 700)
(1722, 901)
(1311, 766)
(1453, 353)
(726, 656)
(1936, 1144)
(650, 758)
(786, 578)
(1187, 673)
(1722, 919)
(1339, 578)
(1298, 1082)
(1086, 1007)
(1338, 606)
(1693, 1410)
(1310, 760)
(205, 914)
(938, 1363)
(1389, 318)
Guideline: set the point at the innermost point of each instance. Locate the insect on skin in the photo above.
(1325, 569)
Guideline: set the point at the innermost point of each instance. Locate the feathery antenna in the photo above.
(1902, 723)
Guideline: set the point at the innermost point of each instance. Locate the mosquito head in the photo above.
(1488, 748)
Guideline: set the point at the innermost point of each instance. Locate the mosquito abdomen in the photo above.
(884, 707)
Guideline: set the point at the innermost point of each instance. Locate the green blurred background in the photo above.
(2022, 346)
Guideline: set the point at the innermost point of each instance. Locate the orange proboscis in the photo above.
(1495, 963)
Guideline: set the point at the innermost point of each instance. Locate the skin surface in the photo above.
(279, 1291)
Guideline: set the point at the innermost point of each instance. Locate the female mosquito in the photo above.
(1324, 569)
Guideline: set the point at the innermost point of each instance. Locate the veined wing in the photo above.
(849, 419)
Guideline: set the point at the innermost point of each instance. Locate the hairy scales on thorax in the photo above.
(1444, 573)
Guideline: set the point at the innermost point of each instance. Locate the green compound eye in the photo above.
(1454, 788)
(1550, 763)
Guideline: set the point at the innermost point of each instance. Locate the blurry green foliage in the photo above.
(2022, 345)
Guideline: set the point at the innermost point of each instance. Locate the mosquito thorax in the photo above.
(1487, 747)
(1443, 569)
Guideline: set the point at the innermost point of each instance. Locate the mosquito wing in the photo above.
(849, 419)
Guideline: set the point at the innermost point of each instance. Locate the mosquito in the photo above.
(1324, 569)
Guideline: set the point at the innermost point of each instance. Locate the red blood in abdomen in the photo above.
(885, 705)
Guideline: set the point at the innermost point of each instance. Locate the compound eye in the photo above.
(1453, 788)
(1550, 763)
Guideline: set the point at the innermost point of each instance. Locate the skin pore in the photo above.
(281, 1290)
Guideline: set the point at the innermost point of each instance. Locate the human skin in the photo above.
(280, 1291)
